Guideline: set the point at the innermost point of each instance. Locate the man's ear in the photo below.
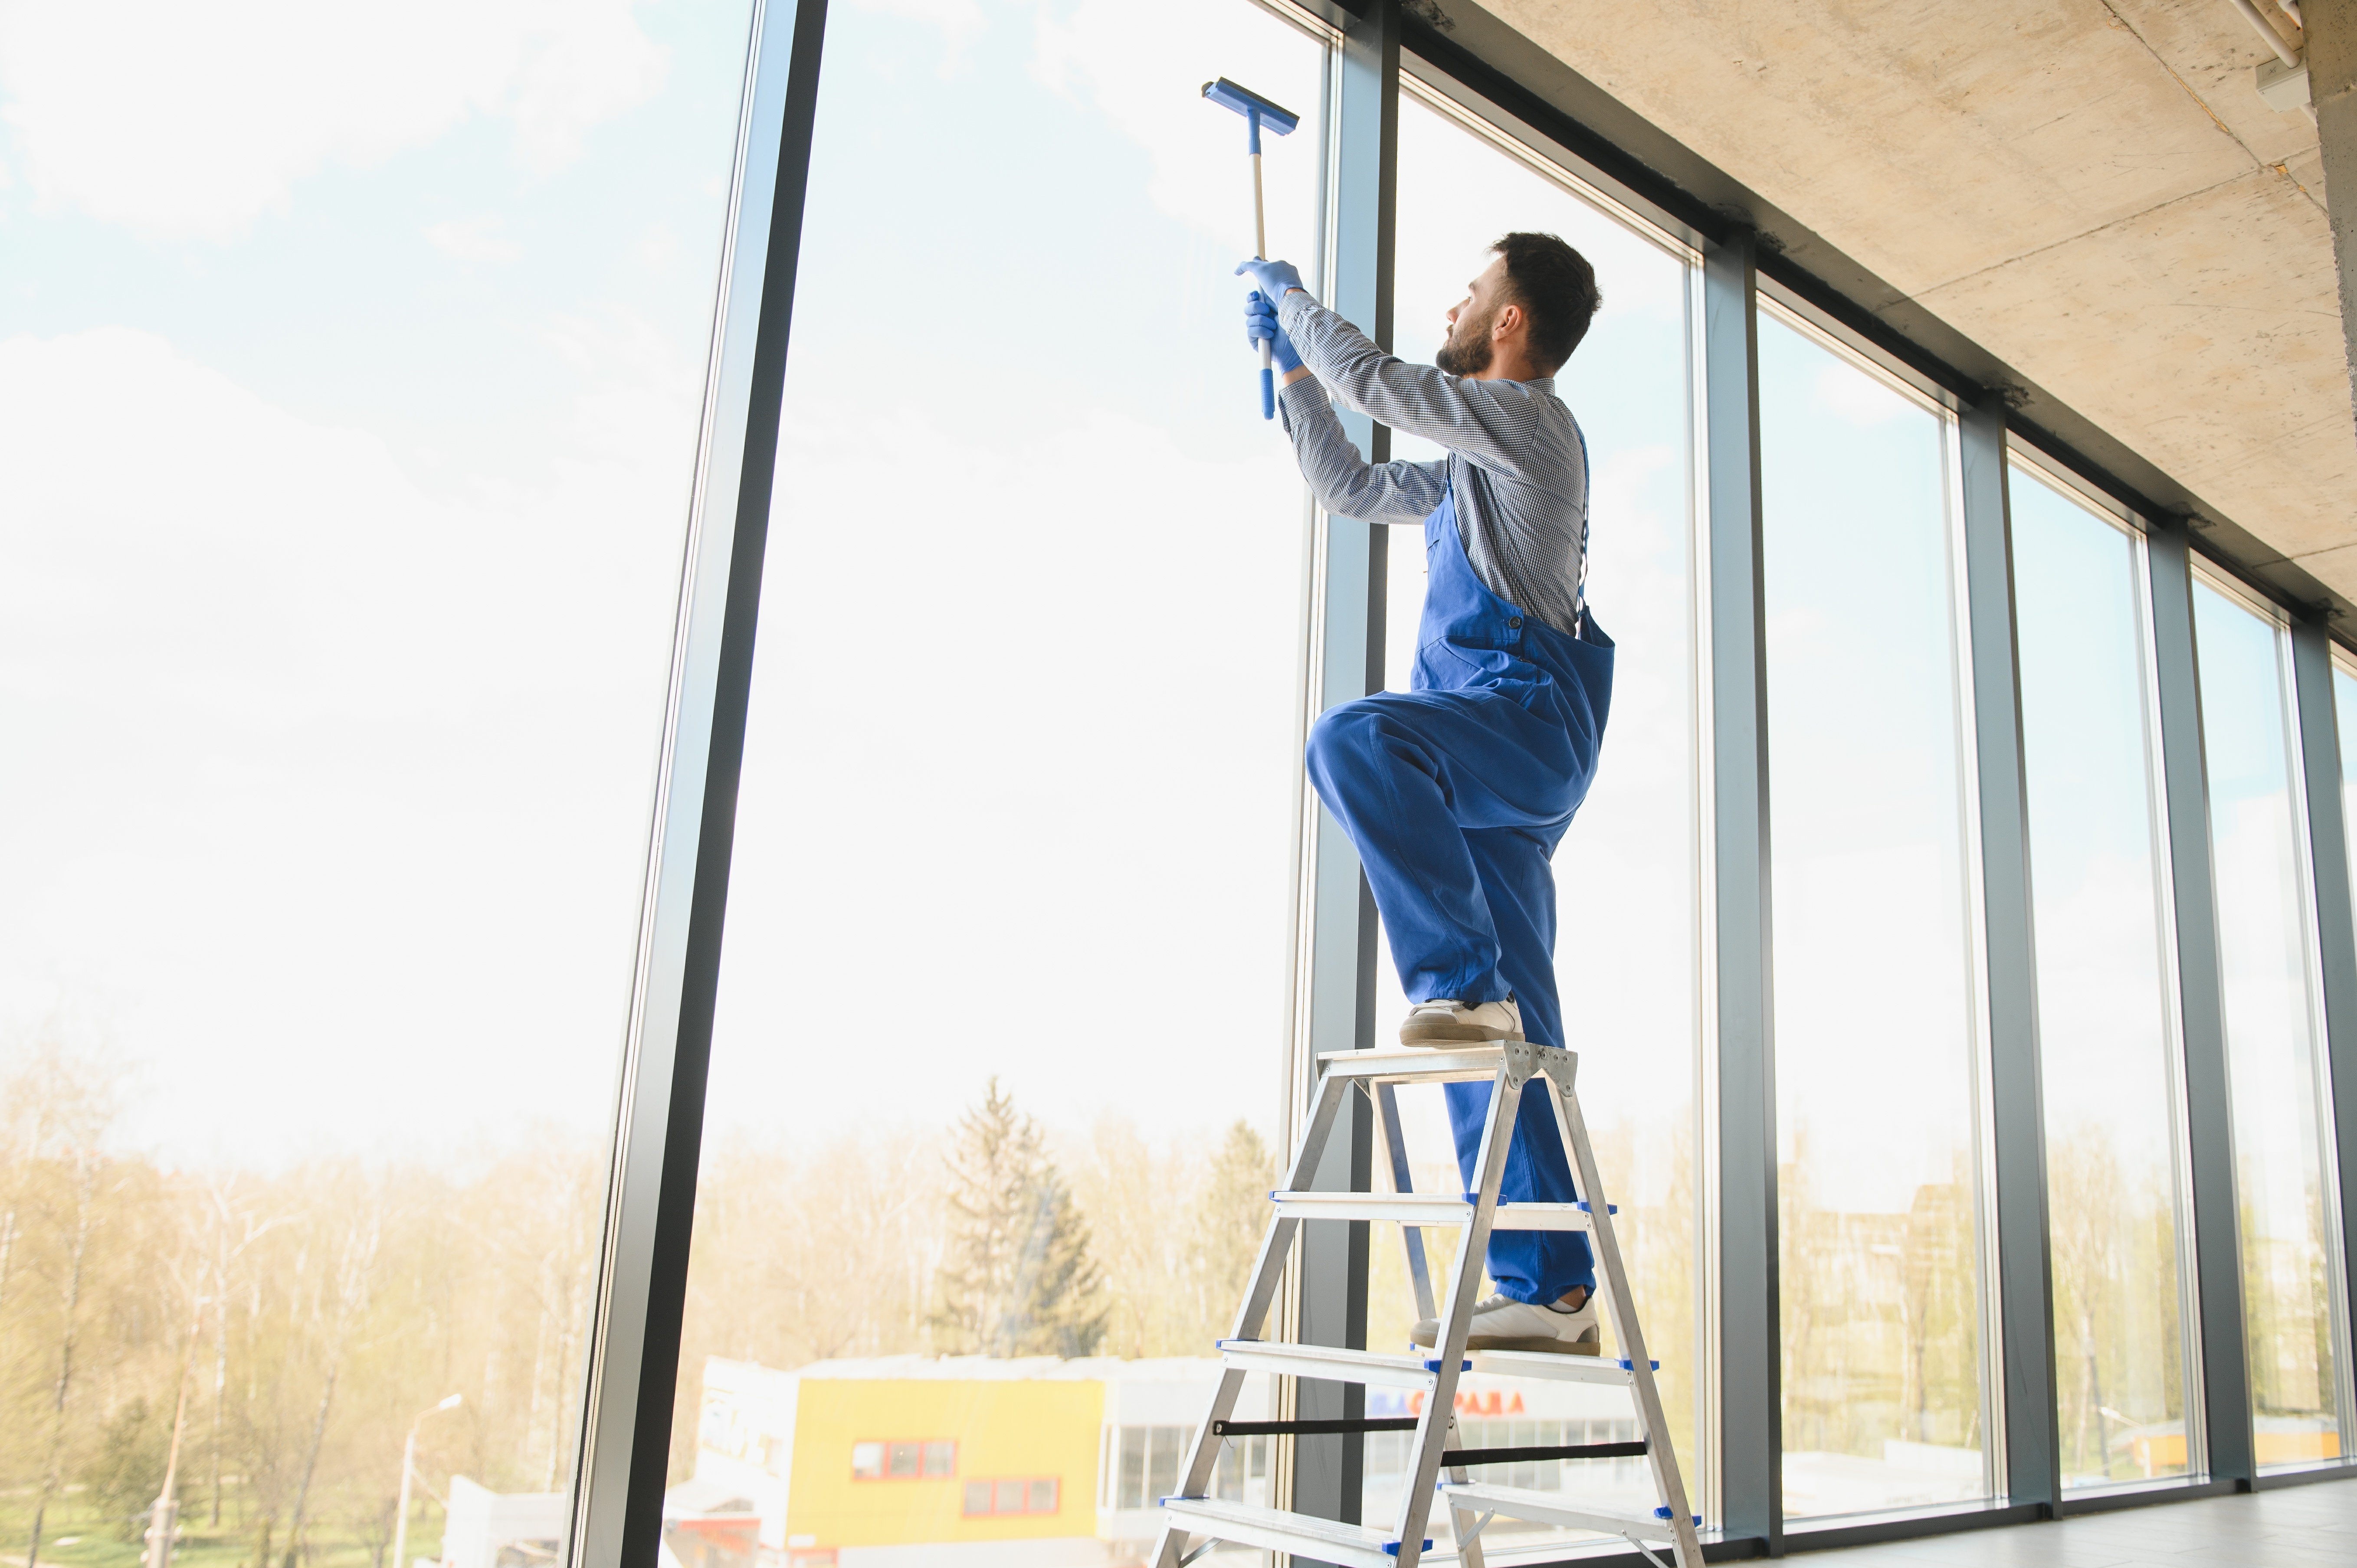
(1509, 318)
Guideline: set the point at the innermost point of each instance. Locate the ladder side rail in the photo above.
(1268, 1268)
(1457, 1312)
(1463, 1521)
(1419, 1271)
(1628, 1337)
(1268, 1272)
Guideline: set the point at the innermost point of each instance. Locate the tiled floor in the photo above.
(2294, 1527)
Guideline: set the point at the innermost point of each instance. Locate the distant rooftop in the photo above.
(994, 1368)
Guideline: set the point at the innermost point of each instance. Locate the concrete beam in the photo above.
(2333, 89)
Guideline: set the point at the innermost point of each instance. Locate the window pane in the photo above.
(1001, 1029)
(940, 1458)
(1626, 941)
(2289, 1305)
(2106, 1039)
(349, 380)
(1133, 1468)
(1876, 1035)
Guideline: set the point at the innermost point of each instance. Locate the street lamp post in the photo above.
(408, 1462)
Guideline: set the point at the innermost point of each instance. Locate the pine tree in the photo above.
(1017, 1279)
(1229, 1223)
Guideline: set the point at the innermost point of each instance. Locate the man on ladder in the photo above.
(1457, 791)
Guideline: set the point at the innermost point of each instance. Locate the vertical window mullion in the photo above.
(1327, 1473)
(2024, 1332)
(2318, 743)
(2226, 1402)
(1742, 1155)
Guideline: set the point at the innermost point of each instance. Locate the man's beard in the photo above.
(1467, 352)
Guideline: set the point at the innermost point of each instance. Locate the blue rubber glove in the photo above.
(1261, 324)
(1272, 278)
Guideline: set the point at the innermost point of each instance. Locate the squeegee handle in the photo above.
(1260, 248)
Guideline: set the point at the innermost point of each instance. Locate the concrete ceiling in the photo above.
(2090, 189)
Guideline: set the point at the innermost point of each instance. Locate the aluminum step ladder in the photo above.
(1194, 1520)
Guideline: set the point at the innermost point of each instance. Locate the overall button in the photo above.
(1514, 620)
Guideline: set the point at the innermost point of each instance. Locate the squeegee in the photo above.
(1257, 112)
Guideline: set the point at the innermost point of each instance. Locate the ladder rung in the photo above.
(1427, 1209)
(1332, 1363)
(1553, 1368)
(1529, 1455)
(1415, 1064)
(1313, 1428)
(1349, 1545)
(1550, 1508)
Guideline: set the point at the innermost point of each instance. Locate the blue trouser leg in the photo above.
(1455, 801)
(1529, 1265)
(1406, 773)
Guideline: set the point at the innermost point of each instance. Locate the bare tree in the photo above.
(354, 1276)
(84, 1188)
(225, 1217)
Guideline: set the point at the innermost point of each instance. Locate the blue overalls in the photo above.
(1456, 793)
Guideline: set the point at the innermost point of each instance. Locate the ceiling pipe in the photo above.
(2266, 30)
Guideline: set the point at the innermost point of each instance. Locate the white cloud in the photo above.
(193, 120)
(474, 239)
(311, 733)
(1863, 400)
(959, 20)
(1122, 58)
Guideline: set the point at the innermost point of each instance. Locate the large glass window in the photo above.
(1877, 1032)
(2292, 1323)
(349, 385)
(2106, 1029)
(1002, 1019)
(1625, 874)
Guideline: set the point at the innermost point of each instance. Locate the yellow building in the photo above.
(902, 1460)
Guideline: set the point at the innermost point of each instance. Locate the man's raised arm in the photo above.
(1488, 421)
(1345, 483)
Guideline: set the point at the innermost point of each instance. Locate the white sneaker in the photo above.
(1449, 1022)
(1502, 1323)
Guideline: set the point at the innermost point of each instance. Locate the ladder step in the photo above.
(1313, 1428)
(1556, 1368)
(1349, 1545)
(1415, 1064)
(1331, 1362)
(1551, 1507)
(1541, 1454)
(1427, 1209)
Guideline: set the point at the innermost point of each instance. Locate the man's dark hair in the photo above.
(1556, 289)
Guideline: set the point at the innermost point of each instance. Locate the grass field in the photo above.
(75, 1535)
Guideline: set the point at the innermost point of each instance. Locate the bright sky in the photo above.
(347, 416)
(348, 382)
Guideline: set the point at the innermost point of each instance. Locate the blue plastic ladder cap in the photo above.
(1610, 1208)
(1661, 1512)
(1626, 1365)
(1434, 1365)
(1390, 1548)
(1476, 1197)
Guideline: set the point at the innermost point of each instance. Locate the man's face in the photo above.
(1467, 351)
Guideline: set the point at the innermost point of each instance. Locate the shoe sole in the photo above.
(1546, 1346)
(1454, 1035)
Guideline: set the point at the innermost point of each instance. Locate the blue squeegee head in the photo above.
(1259, 110)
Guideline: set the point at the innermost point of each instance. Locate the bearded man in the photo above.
(1457, 791)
